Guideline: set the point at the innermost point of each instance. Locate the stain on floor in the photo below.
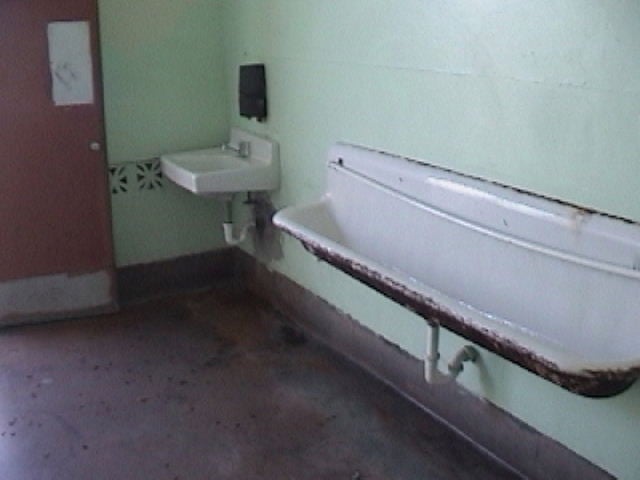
(211, 385)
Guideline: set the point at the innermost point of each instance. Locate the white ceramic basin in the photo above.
(547, 285)
(216, 171)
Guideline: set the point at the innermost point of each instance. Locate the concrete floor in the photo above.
(210, 385)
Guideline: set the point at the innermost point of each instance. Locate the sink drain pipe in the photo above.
(431, 372)
(229, 236)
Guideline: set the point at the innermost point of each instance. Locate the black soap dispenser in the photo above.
(252, 90)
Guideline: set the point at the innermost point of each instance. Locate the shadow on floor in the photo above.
(212, 385)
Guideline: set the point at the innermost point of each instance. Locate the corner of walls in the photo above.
(478, 87)
(165, 90)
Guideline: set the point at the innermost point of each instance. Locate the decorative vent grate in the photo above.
(118, 179)
(149, 175)
(131, 177)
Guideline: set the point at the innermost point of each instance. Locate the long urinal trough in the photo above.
(549, 286)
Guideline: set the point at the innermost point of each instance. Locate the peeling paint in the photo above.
(588, 383)
(55, 296)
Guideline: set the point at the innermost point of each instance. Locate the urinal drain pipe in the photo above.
(432, 355)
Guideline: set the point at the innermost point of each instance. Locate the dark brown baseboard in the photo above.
(191, 272)
(526, 450)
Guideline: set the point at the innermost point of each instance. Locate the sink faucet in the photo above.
(243, 149)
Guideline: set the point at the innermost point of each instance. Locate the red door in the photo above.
(56, 254)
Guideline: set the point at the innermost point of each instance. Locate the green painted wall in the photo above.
(164, 90)
(543, 95)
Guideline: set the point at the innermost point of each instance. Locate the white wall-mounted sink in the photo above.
(221, 170)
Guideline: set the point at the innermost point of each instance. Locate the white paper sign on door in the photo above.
(70, 63)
